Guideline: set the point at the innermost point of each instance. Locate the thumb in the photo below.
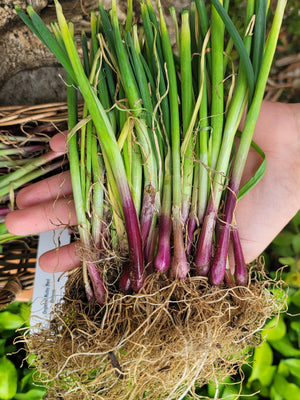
(58, 142)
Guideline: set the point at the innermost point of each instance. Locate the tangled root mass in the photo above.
(159, 344)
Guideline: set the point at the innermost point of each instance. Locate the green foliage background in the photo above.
(15, 376)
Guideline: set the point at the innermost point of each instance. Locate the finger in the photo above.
(41, 218)
(58, 142)
(56, 186)
(61, 259)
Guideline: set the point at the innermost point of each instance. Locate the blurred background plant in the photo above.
(15, 376)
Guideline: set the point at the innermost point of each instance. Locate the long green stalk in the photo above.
(187, 103)
(110, 146)
(217, 104)
(203, 28)
(83, 223)
(37, 173)
(253, 112)
(180, 265)
(29, 167)
(219, 262)
(157, 135)
(133, 97)
(234, 115)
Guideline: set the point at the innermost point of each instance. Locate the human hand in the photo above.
(272, 203)
(260, 215)
(44, 206)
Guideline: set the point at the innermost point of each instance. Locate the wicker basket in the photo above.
(17, 266)
(20, 115)
(18, 256)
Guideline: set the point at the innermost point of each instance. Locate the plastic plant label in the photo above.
(48, 288)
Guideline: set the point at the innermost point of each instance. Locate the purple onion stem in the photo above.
(191, 227)
(185, 212)
(4, 210)
(205, 243)
(180, 266)
(150, 247)
(137, 269)
(147, 212)
(99, 289)
(125, 282)
(220, 257)
(163, 255)
(241, 273)
(228, 279)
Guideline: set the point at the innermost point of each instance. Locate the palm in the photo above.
(268, 207)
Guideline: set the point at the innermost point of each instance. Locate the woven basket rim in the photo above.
(21, 114)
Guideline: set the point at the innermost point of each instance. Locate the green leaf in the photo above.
(259, 34)
(31, 360)
(231, 392)
(294, 224)
(212, 386)
(238, 44)
(262, 370)
(295, 299)
(10, 349)
(257, 387)
(32, 394)
(258, 174)
(296, 244)
(26, 381)
(237, 392)
(44, 34)
(274, 329)
(293, 365)
(295, 325)
(293, 336)
(287, 261)
(282, 251)
(9, 320)
(274, 395)
(25, 310)
(8, 379)
(285, 347)
(285, 389)
(283, 369)
(2, 347)
(267, 375)
(13, 307)
(2, 228)
(284, 239)
(248, 395)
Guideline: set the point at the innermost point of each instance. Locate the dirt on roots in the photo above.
(159, 344)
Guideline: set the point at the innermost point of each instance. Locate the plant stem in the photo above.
(83, 224)
(187, 102)
(218, 268)
(217, 45)
(179, 263)
(163, 255)
(234, 115)
(110, 146)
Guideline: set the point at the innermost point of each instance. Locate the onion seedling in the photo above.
(156, 173)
